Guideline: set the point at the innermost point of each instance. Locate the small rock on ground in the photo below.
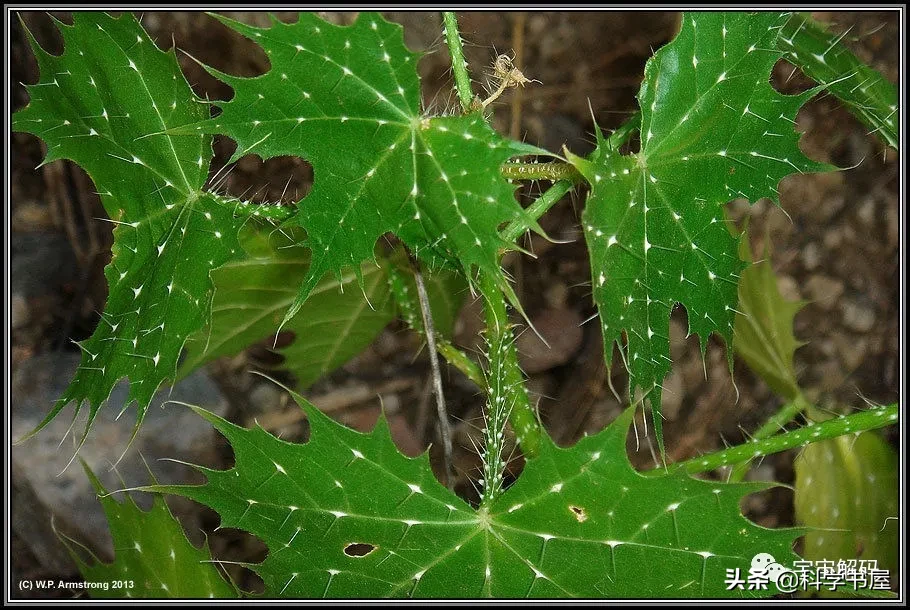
(48, 485)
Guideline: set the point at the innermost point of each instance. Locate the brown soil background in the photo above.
(838, 248)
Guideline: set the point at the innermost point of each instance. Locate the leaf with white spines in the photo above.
(252, 294)
(579, 522)
(347, 99)
(152, 556)
(712, 129)
(764, 325)
(824, 57)
(105, 103)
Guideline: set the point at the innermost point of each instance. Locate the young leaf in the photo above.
(347, 99)
(764, 326)
(252, 294)
(823, 57)
(712, 129)
(153, 557)
(579, 522)
(847, 491)
(104, 104)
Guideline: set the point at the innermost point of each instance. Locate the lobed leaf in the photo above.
(846, 491)
(764, 326)
(712, 129)
(153, 558)
(252, 294)
(346, 515)
(347, 99)
(342, 318)
(105, 103)
(823, 57)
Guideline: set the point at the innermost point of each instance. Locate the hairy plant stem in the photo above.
(554, 170)
(774, 424)
(499, 333)
(564, 175)
(832, 428)
(460, 361)
(459, 65)
(500, 403)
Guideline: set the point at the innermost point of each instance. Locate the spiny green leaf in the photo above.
(153, 556)
(712, 129)
(764, 326)
(579, 522)
(252, 294)
(347, 99)
(847, 492)
(99, 104)
(823, 56)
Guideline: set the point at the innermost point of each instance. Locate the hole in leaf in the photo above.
(264, 353)
(284, 339)
(581, 514)
(359, 549)
(786, 78)
(279, 180)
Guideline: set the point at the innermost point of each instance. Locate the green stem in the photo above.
(541, 171)
(499, 335)
(460, 361)
(832, 428)
(564, 175)
(774, 424)
(537, 209)
(459, 65)
(625, 131)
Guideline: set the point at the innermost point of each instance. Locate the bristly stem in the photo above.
(564, 175)
(499, 335)
(499, 332)
(460, 361)
(500, 403)
(832, 428)
(554, 170)
(774, 424)
(459, 65)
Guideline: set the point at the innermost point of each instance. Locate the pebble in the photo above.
(48, 486)
(812, 256)
(833, 239)
(19, 311)
(788, 288)
(858, 315)
(557, 295)
(852, 351)
(866, 212)
(824, 290)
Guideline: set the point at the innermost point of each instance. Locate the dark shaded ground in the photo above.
(838, 248)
